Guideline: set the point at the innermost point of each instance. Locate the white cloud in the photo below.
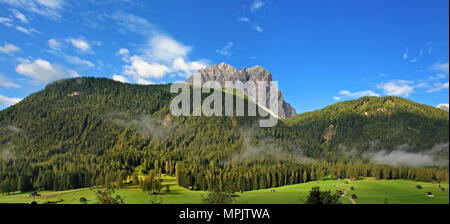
(128, 22)
(55, 48)
(349, 94)
(187, 68)
(244, 19)
(254, 25)
(21, 17)
(43, 71)
(9, 48)
(442, 67)
(120, 78)
(258, 28)
(164, 48)
(6, 101)
(438, 87)
(438, 77)
(54, 4)
(144, 82)
(336, 98)
(161, 56)
(78, 61)
(422, 85)
(257, 4)
(225, 51)
(414, 60)
(29, 31)
(405, 55)
(123, 52)
(397, 88)
(7, 84)
(80, 44)
(54, 44)
(6, 21)
(436, 82)
(49, 8)
(140, 68)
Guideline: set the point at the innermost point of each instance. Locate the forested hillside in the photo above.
(87, 132)
(375, 123)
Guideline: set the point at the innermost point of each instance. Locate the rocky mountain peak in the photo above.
(443, 107)
(225, 72)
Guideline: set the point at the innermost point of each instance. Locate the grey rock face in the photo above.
(225, 72)
(444, 108)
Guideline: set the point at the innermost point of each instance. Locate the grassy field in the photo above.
(369, 191)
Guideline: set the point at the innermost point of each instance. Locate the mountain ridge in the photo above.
(225, 72)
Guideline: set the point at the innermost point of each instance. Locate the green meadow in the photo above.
(368, 191)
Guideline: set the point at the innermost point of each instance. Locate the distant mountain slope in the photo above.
(376, 123)
(88, 131)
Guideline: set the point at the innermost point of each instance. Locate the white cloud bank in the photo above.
(54, 44)
(29, 31)
(120, 78)
(442, 67)
(20, 16)
(80, 44)
(438, 87)
(140, 68)
(357, 94)
(9, 48)
(6, 83)
(397, 88)
(162, 55)
(6, 21)
(6, 101)
(352, 95)
(56, 48)
(48, 8)
(43, 71)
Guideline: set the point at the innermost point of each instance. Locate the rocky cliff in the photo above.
(225, 72)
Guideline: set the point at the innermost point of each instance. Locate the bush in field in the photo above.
(106, 196)
(322, 197)
(218, 197)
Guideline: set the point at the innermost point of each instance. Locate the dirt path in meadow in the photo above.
(344, 195)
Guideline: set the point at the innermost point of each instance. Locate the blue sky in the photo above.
(320, 51)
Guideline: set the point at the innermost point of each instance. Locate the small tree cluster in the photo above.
(322, 197)
(106, 196)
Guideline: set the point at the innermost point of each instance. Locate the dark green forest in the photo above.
(87, 132)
